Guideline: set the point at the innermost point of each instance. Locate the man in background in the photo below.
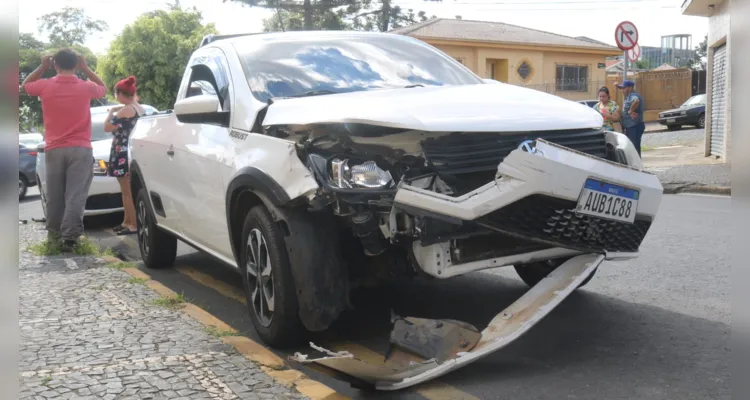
(69, 157)
(631, 116)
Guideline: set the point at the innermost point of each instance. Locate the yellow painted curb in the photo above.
(252, 350)
(137, 273)
(205, 318)
(161, 289)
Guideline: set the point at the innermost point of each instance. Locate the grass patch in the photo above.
(46, 380)
(45, 248)
(647, 148)
(219, 333)
(109, 252)
(170, 302)
(120, 265)
(137, 281)
(84, 247)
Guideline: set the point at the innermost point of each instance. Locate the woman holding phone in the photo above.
(121, 124)
(608, 109)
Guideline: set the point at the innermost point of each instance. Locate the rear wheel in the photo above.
(701, 121)
(533, 273)
(158, 248)
(23, 187)
(267, 278)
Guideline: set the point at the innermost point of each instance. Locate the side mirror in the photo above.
(491, 81)
(40, 148)
(201, 109)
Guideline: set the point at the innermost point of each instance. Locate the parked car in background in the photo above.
(30, 140)
(104, 194)
(27, 158)
(590, 103)
(691, 112)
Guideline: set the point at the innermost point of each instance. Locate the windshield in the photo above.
(299, 66)
(695, 101)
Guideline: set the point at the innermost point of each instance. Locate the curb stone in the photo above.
(696, 188)
(270, 363)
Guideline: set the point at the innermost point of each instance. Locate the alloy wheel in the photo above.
(260, 277)
(701, 121)
(142, 227)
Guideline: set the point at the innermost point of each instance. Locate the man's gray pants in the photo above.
(69, 172)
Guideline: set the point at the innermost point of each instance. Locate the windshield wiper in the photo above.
(414, 85)
(313, 93)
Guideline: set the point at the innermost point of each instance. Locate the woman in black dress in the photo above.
(120, 122)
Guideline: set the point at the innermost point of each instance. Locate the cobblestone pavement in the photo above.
(88, 333)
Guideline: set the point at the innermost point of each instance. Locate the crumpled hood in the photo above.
(466, 108)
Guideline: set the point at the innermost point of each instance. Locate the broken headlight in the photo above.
(364, 175)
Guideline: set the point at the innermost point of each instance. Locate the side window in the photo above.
(208, 76)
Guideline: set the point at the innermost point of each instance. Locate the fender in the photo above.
(318, 271)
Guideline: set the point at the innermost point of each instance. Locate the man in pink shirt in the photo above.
(66, 110)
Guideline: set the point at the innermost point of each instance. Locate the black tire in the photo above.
(283, 328)
(158, 248)
(674, 127)
(23, 187)
(534, 272)
(701, 121)
(42, 197)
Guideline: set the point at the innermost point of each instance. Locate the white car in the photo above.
(312, 162)
(104, 194)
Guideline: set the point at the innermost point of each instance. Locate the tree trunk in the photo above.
(308, 13)
(385, 19)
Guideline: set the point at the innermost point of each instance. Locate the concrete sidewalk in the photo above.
(685, 168)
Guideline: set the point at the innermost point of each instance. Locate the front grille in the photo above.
(104, 201)
(461, 153)
(554, 221)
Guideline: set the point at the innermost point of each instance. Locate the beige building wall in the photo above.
(543, 65)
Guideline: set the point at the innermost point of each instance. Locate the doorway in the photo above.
(497, 69)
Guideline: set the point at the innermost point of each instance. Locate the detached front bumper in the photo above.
(535, 197)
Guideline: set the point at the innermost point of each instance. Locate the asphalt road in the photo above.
(652, 328)
(673, 138)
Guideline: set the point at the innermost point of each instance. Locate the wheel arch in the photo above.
(318, 270)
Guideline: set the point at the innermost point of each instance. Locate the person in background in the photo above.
(608, 108)
(632, 114)
(121, 124)
(66, 112)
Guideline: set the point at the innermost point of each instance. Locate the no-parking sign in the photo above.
(626, 35)
(634, 54)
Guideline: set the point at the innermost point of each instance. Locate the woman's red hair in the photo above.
(126, 86)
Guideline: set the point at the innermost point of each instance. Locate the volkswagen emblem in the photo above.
(529, 146)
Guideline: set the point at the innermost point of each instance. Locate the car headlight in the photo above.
(625, 149)
(100, 167)
(365, 175)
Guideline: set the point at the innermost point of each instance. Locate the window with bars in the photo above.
(572, 78)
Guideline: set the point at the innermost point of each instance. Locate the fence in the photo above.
(660, 90)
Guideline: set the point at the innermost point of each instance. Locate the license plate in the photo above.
(671, 120)
(605, 200)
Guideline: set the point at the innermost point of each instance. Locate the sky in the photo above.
(591, 18)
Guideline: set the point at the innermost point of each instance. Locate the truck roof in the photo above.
(289, 35)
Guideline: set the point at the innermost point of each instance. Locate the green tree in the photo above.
(701, 54)
(155, 49)
(69, 26)
(307, 10)
(66, 28)
(323, 20)
(383, 16)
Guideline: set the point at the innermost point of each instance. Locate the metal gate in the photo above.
(718, 101)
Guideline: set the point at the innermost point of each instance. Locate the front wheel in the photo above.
(158, 248)
(269, 287)
(23, 187)
(533, 273)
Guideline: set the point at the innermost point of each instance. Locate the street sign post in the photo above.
(626, 35)
(634, 54)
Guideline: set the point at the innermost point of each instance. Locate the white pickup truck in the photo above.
(314, 162)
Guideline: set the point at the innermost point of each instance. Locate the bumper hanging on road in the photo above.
(454, 344)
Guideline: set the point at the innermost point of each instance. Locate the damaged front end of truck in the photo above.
(444, 204)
